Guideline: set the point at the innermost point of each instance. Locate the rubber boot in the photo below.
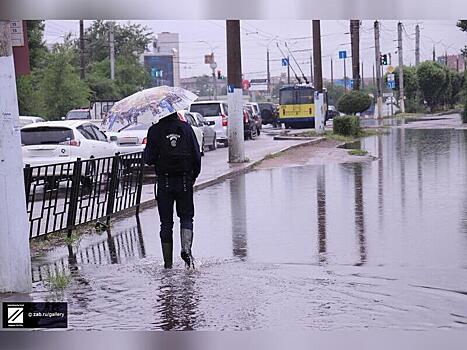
(186, 239)
(167, 253)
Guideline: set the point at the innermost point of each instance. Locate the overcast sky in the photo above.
(297, 33)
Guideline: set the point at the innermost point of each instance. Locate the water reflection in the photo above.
(239, 217)
(321, 208)
(177, 301)
(359, 213)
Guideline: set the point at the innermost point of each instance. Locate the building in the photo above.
(455, 62)
(163, 59)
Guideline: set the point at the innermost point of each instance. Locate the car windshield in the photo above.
(206, 109)
(45, 135)
(76, 115)
(139, 126)
(287, 97)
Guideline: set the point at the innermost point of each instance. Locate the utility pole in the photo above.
(81, 50)
(269, 72)
(15, 258)
(318, 70)
(345, 74)
(355, 44)
(362, 78)
(112, 51)
(434, 54)
(401, 67)
(213, 66)
(288, 70)
(332, 73)
(379, 98)
(417, 45)
(311, 68)
(319, 97)
(235, 93)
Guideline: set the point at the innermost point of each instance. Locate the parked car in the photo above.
(216, 111)
(209, 135)
(269, 113)
(250, 128)
(255, 116)
(332, 112)
(63, 141)
(188, 117)
(26, 120)
(130, 138)
(78, 114)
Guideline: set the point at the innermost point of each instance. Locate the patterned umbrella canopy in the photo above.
(148, 106)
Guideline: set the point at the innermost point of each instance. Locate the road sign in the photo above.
(391, 84)
(342, 54)
(213, 65)
(388, 94)
(16, 30)
(390, 69)
(208, 59)
(258, 85)
(351, 82)
(285, 62)
(391, 77)
(230, 88)
(245, 84)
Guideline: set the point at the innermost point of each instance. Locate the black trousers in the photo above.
(178, 189)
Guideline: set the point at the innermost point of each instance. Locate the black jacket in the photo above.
(153, 149)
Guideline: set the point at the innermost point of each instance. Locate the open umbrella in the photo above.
(147, 106)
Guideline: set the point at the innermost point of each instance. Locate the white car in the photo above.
(63, 141)
(130, 138)
(216, 111)
(187, 117)
(26, 120)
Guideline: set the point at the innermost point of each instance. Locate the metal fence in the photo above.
(64, 195)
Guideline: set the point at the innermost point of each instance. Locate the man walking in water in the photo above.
(174, 151)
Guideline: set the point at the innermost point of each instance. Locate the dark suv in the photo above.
(269, 113)
(249, 126)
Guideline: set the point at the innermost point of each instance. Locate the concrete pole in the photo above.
(332, 73)
(268, 72)
(401, 67)
(355, 39)
(288, 70)
(311, 69)
(379, 98)
(112, 51)
(362, 78)
(320, 106)
(15, 258)
(417, 45)
(235, 93)
(345, 76)
(81, 50)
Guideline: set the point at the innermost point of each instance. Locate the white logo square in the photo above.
(15, 315)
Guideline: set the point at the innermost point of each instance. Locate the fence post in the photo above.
(27, 182)
(113, 186)
(140, 183)
(73, 208)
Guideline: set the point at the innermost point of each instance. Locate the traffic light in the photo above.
(384, 60)
(219, 75)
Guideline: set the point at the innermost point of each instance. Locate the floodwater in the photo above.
(380, 244)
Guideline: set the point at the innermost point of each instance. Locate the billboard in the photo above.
(161, 69)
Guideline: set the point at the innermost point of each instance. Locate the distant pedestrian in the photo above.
(173, 149)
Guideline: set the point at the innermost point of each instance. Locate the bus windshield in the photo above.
(286, 97)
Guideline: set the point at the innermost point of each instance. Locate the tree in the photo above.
(59, 86)
(204, 85)
(354, 102)
(410, 82)
(462, 24)
(335, 92)
(431, 80)
(130, 39)
(37, 48)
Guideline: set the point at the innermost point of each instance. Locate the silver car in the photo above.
(209, 134)
(216, 111)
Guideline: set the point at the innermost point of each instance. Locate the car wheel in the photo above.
(214, 144)
(258, 130)
(253, 132)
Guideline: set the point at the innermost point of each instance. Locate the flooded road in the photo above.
(378, 244)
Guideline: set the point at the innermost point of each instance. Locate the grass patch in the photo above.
(341, 138)
(358, 152)
(59, 281)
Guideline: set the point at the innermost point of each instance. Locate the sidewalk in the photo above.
(215, 166)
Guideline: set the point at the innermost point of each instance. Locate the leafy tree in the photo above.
(130, 39)
(60, 88)
(28, 98)
(130, 75)
(410, 82)
(431, 80)
(354, 102)
(203, 85)
(462, 24)
(36, 43)
(335, 92)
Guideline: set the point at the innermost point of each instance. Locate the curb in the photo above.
(241, 170)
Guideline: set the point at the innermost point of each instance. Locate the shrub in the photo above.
(354, 102)
(464, 114)
(347, 125)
